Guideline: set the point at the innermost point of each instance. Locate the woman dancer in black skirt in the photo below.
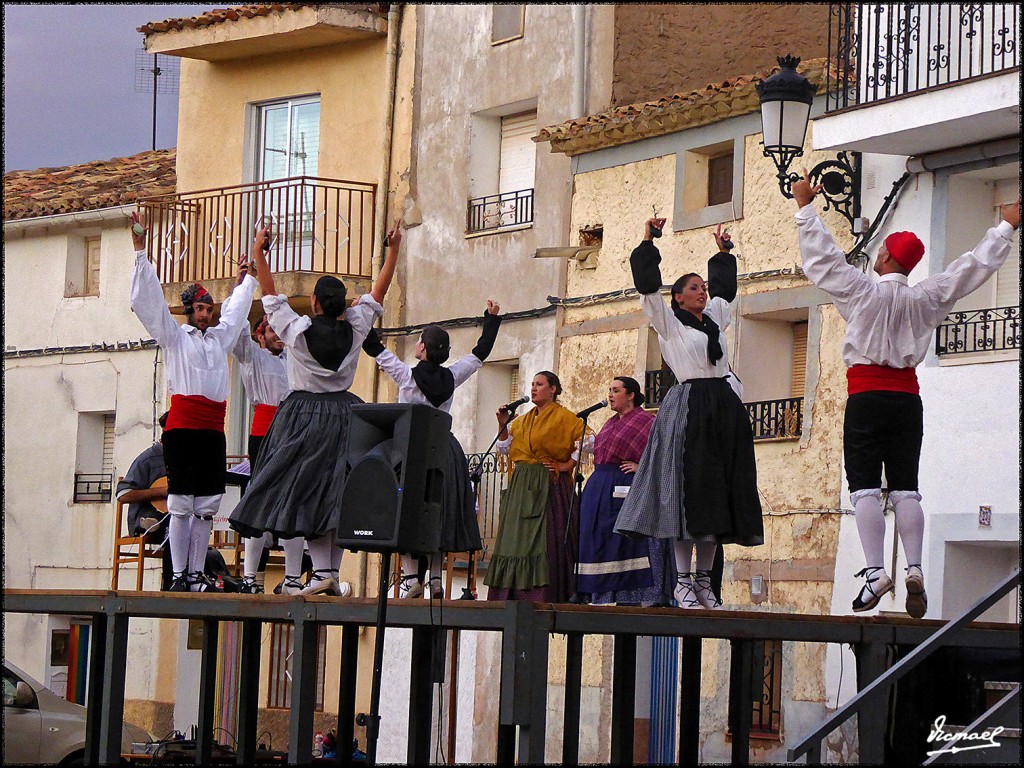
(298, 477)
(431, 382)
(696, 482)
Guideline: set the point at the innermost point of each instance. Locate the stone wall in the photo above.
(672, 48)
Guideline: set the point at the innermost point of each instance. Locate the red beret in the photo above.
(905, 248)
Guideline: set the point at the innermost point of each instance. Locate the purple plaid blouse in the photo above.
(623, 438)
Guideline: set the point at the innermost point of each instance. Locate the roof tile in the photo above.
(88, 186)
(730, 98)
(237, 12)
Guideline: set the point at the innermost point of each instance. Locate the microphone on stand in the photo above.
(511, 407)
(596, 407)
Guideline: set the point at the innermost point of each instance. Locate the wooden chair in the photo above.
(130, 549)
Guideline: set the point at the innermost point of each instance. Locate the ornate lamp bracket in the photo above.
(839, 179)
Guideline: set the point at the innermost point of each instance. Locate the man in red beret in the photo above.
(889, 326)
(194, 446)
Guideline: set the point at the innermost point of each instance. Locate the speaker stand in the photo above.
(373, 719)
(574, 598)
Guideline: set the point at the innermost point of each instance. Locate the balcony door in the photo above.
(287, 148)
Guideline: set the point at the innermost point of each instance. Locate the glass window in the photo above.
(289, 139)
(507, 22)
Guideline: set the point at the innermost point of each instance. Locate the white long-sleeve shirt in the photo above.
(196, 362)
(685, 349)
(264, 374)
(888, 321)
(305, 374)
(408, 392)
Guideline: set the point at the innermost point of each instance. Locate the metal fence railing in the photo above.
(93, 487)
(495, 211)
(885, 50)
(768, 418)
(978, 330)
(493, 480)
(319, 226)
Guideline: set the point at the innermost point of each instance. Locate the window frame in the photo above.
(522, 23)
(259, 133)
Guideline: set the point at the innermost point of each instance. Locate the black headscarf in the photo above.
(436, 382)
(329, 339)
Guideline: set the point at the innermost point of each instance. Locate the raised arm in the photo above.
(259, 248)
(823, 262)
(147, 295)
(466, 366)
(234, 312)
(643, 262)
(387, 272)
(722, 280)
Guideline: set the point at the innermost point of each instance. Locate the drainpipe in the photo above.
(963, 155)
(381, 212)
(579, 96)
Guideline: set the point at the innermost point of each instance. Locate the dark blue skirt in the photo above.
(615, 568)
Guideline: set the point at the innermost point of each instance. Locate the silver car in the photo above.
(41, 727)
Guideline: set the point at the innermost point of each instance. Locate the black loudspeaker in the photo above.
(394, 478)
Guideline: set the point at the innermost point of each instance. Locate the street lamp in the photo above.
(786, 99)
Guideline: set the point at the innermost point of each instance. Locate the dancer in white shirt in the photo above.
(263, 365)
(298, 477)
(430, 382)
(196, 360)
(889, 326)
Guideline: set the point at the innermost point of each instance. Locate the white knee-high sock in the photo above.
(253, 553)
(910, 524)
(179, 535)
(336, 553)
(293, 551)
(871, 527)
(706, 555)
(203, 507)
(320, 553)
(684, 556)
(179, 529)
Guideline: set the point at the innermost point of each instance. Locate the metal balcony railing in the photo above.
(768, 418)
(493, 480)
(495, 211)
(319, 226)
(885, 50)
(92, 488)
(978, 330)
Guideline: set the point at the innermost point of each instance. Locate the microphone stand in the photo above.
(574, 598)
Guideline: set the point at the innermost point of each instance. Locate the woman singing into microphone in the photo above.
(534, 552)
(620, 569)
(696, 481)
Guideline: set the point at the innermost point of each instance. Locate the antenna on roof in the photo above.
(155, 75)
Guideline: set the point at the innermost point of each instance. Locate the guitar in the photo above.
(160, 504)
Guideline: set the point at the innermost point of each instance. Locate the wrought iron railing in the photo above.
(884, 50)
(319, 226)
(768, 418)
(93, 488)
(495, 211)
(493, 480)
(978, 330)
(776, 418)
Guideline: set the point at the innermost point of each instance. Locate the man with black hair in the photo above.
(194, 446)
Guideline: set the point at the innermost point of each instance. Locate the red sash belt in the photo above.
(196, 412)
(871, 378)
(261, 418)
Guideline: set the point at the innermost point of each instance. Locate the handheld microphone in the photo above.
(511, 407)
(587, 411)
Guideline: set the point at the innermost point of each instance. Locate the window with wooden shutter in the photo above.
(507, 22)
(518, 152)
(799, 368)
(720, 179)
(92, 266)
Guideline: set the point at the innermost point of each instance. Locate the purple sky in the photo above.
(69, 83)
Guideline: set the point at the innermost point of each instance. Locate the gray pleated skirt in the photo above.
(697, 479)
(299, 475)
(460, 531)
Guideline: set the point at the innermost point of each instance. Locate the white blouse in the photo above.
(305, 374)
(685, 349)
(408, 392)
(196, 362)
(264, 374)
(888, 321)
